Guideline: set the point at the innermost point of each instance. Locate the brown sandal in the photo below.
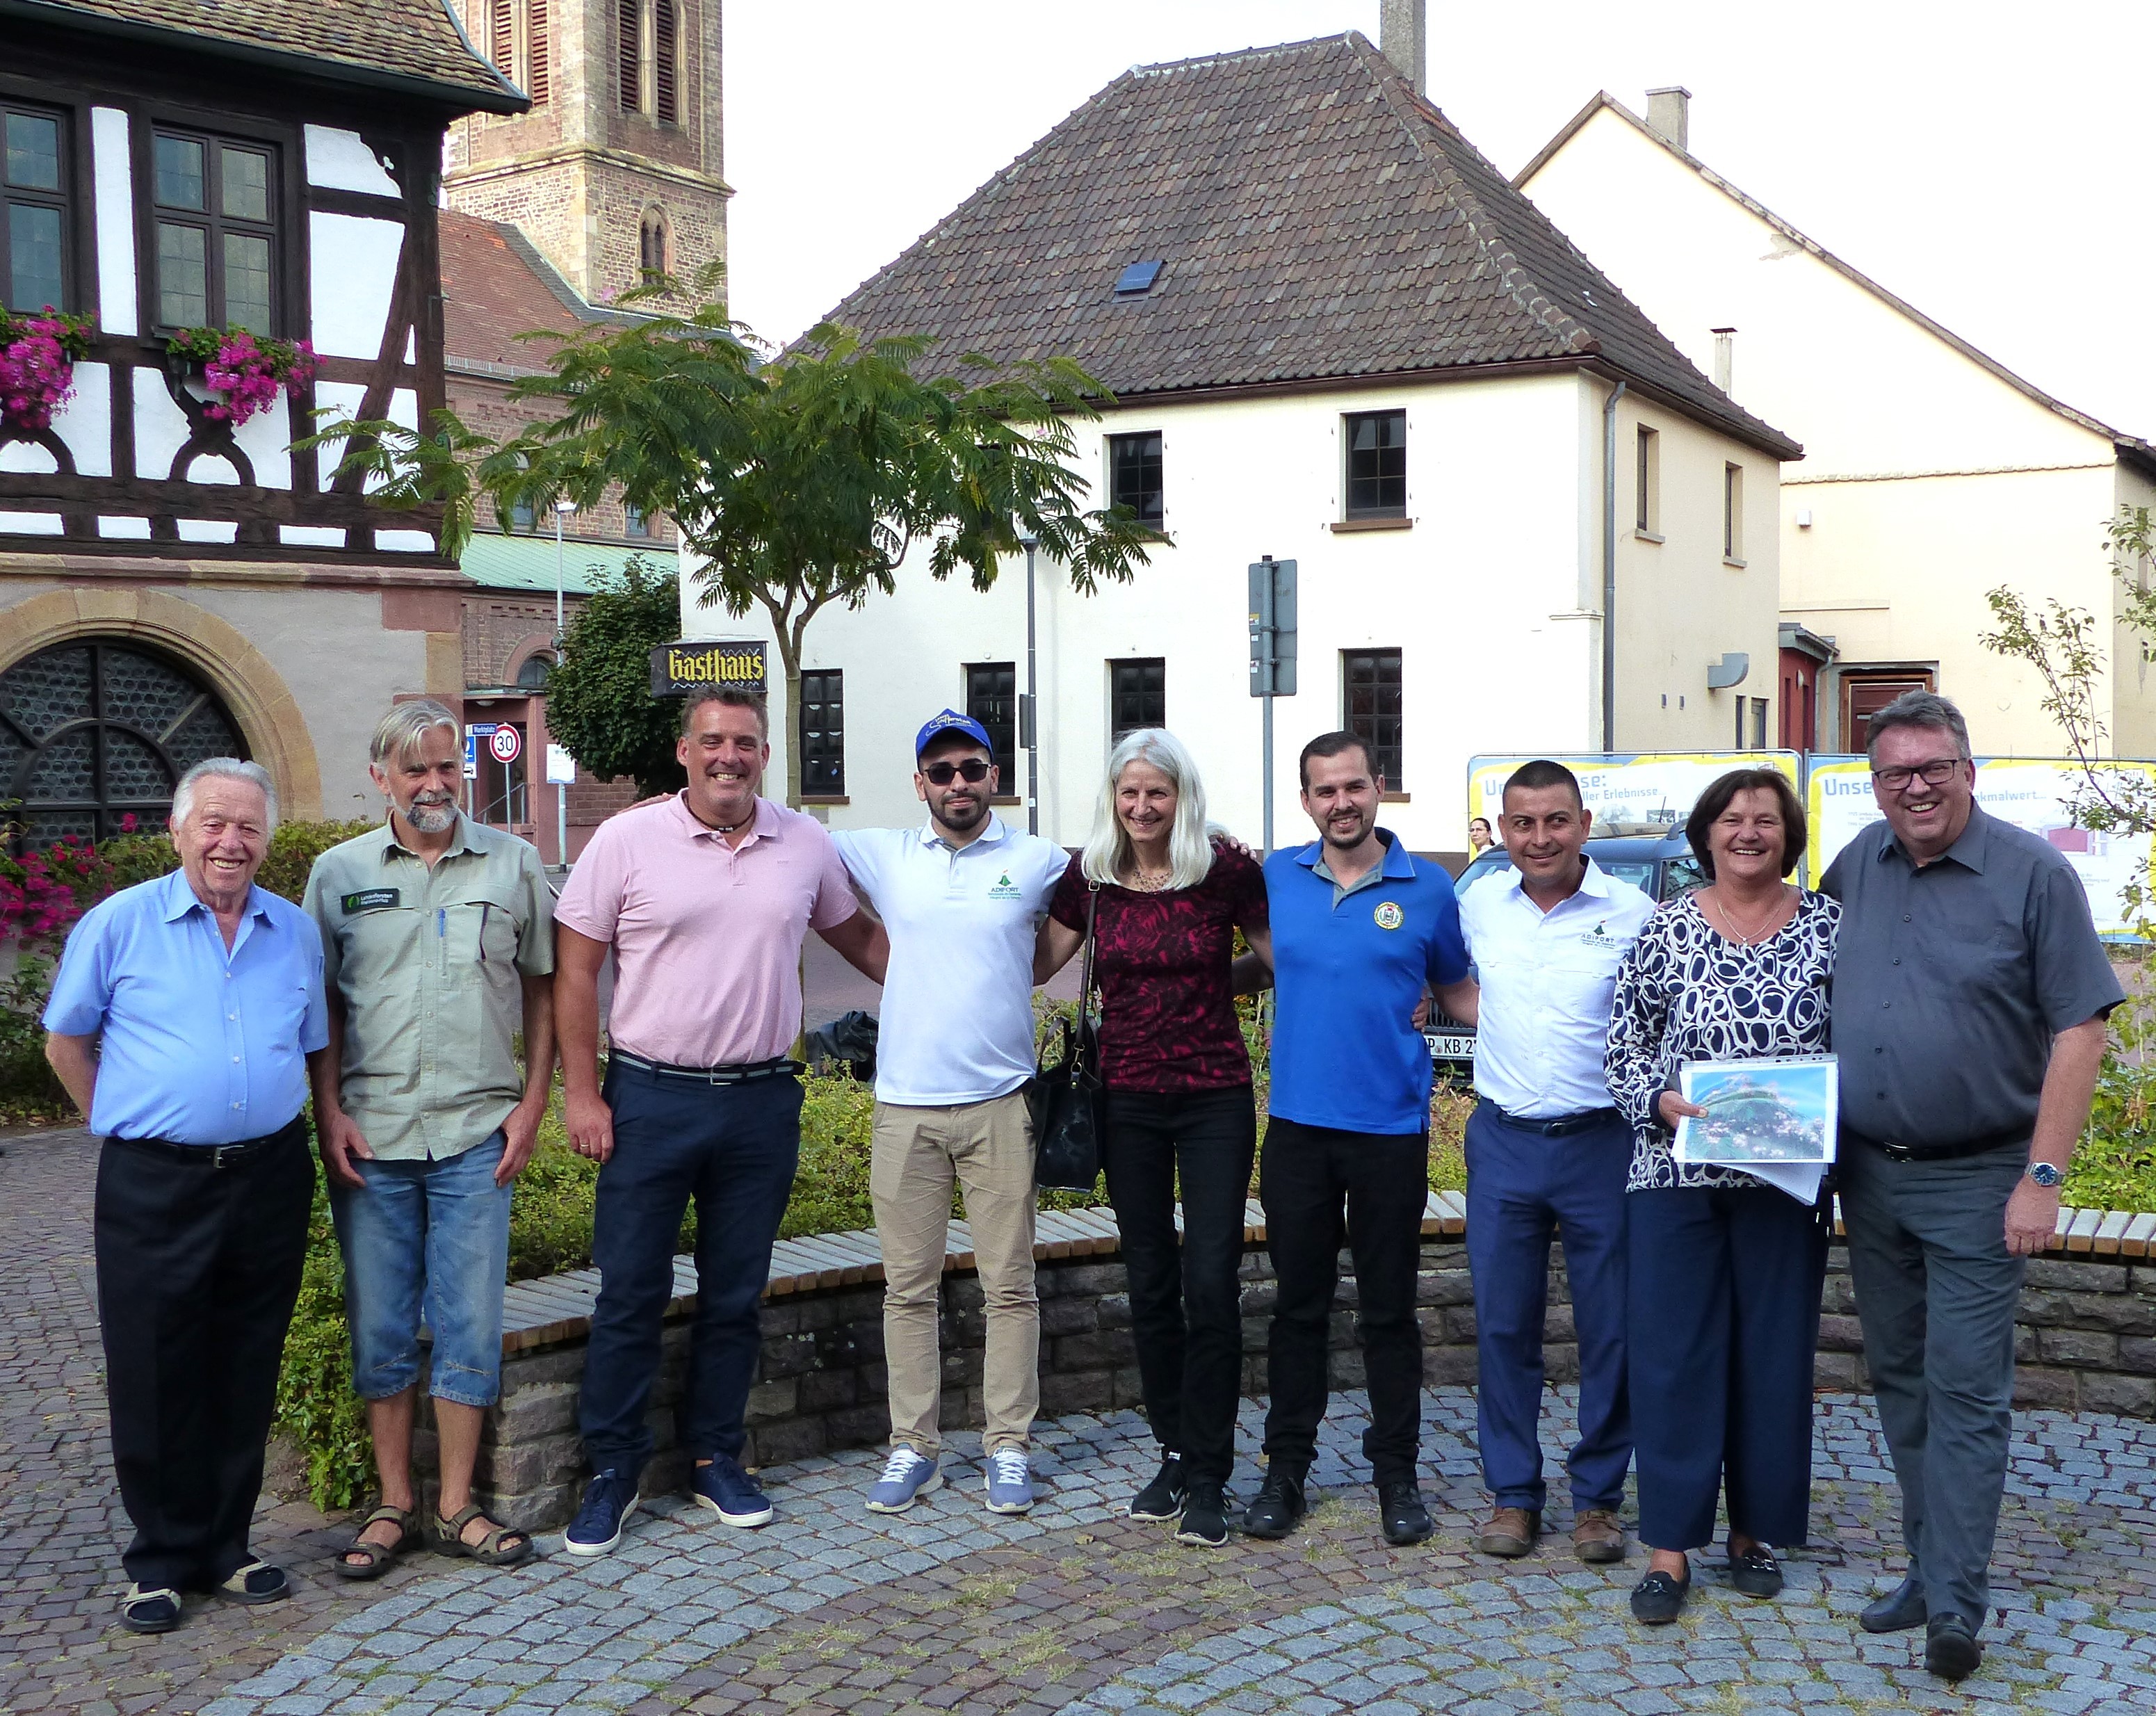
(489, 1551)
(379, 1556)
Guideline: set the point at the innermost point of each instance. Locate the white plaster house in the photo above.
(1933, 473)
(1336, 334)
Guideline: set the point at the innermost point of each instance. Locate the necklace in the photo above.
(1743, 938)
(1144, 881)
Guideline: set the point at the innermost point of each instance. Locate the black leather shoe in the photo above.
(1900, 1609)
(1161, 1498)
(1756, 1572)
(1276, 1507)
(1658, 1599)
(1951, 1651)
(1401, 1513)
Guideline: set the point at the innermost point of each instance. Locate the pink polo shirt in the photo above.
(706, 937)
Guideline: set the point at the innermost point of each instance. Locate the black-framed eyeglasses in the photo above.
(1934, 774)
(973, 771)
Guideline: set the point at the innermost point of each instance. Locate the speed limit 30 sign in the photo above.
(505, 742)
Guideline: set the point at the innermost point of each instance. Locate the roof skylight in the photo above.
(1136, 279)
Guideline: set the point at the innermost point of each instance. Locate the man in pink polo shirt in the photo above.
(703, 899)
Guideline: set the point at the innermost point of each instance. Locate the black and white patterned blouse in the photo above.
(1687, 993)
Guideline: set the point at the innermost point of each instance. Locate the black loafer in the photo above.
(1658, 1599)
(1756, 1572)
(1951, 1651)
(1276, 1507)
(1401, 1513)
(1900, 1609)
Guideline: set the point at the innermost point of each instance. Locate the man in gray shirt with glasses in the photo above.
(1970, 992)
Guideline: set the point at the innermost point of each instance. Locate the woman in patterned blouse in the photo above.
(1725, 1269)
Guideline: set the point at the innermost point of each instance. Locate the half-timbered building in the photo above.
(174, 583)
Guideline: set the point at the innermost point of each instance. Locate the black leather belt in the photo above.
(1896, 1151)
(217, 1155)
(742, 1072)
(1561, 1125)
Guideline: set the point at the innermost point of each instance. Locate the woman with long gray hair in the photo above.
(1168, 897)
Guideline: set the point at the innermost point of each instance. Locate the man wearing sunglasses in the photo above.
(962, 897)
(1970, 992)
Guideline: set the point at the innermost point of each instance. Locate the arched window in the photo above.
(652, 243)
(665, 65)
(96, 731)
(631, 54)
(531, 676)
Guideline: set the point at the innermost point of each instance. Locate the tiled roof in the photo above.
(2133, 448)
(1317, 221)
(495, 286)
(416, 44)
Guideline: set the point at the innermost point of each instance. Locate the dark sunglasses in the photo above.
(942, 774)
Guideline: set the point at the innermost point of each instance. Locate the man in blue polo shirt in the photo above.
(1358, 929)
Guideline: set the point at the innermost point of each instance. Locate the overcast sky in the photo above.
(1996, 176)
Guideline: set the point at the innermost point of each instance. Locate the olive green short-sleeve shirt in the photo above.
(428, 964)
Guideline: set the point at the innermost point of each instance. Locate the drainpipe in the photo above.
(1610, 567)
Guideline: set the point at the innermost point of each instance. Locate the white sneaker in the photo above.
(1010, 1482)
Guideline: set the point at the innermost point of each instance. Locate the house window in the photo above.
(992, 700)
(1752, 723)
(531, 676)
(1732, 514)
(216, 232)
(1370, 700)
(1758, 723)
(1378, 465)
(1137, 695)
(630, 54)
(1647, 484)
(522, 516)
(652, 246)
(634, 522)
(1134, 476)
(823, 733)
(34, 241)
(665, 63)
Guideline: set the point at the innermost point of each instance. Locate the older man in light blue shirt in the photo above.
(181, 1023)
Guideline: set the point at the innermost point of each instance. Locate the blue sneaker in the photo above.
(1010, 1482)
(609, 1501)
(907, 1476)
(728, 1492)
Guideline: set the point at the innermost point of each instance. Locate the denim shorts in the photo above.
(431, 1238)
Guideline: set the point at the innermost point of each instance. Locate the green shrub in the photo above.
(316, 1409)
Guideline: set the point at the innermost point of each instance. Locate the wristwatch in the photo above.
(2044, 1174)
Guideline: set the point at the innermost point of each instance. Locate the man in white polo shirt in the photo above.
(1547, 1151)
(962, 898)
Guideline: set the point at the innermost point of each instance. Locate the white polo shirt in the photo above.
(1547, 980)
(957, 1001)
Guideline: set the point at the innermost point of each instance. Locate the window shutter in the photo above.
(536, 80)
(502, 31)
(631, 13)
(665, 27)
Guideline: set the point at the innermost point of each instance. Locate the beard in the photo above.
(431, 816)
(958, 818)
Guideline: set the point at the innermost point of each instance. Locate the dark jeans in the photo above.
(733, 1149)
(1308, 1174)
(1936, 1291)
(198, 1270)
(1522, 1188)
(1186, 1299)
(1725, 1292)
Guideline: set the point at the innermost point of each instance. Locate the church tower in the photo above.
(617, 168)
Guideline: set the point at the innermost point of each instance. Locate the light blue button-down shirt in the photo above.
(199, 1046)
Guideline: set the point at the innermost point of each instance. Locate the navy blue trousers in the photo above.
(733, 1149)
(1522, 1188)
(1725, 1322)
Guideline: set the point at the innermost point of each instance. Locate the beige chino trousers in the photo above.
(916, 1156)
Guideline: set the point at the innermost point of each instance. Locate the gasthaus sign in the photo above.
(737, 663)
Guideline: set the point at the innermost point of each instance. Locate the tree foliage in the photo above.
(598, 696)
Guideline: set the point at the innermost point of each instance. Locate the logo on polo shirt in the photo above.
(372, 899)
(1389, 915)
(1005, 888)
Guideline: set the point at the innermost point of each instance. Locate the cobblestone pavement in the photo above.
(1076, 1608)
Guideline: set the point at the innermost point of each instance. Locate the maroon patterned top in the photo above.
(1162, 963)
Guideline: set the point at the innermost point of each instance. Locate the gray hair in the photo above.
(1189, 850)
(397, 737)
(224, 768)
(733, 697)
(1924, 709)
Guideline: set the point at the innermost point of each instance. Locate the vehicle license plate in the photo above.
(1444, 1045)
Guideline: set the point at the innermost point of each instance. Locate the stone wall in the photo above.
(2087, 1341)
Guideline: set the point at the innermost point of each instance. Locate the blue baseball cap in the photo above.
(952, 722)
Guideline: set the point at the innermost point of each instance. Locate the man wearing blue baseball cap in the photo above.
(962, 897)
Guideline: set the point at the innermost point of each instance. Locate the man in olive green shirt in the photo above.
(437, 940)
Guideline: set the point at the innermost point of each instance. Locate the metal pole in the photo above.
(1268, 635)
(561, 793)
(1610, 568)
(1268, 701)
(1032, 701)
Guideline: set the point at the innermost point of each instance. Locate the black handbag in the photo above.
(1065, 1095)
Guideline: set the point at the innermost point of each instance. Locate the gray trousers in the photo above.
(1937, 1291)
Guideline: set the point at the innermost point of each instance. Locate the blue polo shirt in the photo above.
(198, 1046)
(1348, 967)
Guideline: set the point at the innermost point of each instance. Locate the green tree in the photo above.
(798, 481)
(598, 695)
